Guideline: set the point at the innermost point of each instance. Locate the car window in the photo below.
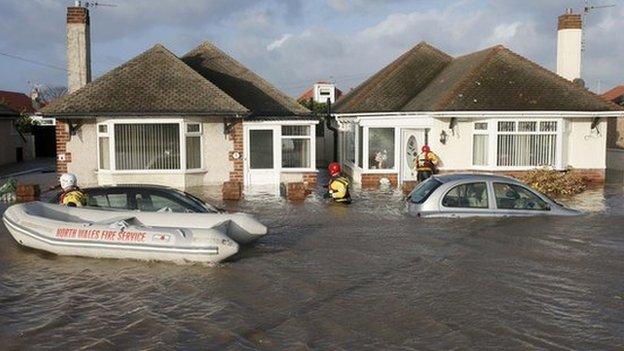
(471, 195)
(153, 203)
(200, 203)
(97, 201)
(516, 197)
(423, 190)
(108, 200)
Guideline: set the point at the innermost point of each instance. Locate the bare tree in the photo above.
(49, 94)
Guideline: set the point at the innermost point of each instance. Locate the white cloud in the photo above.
(279, 42)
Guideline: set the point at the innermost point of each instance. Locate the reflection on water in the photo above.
(353, 277)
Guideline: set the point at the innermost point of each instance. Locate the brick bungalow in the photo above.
(200, 119)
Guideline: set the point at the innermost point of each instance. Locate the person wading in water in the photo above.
(426, 163)
(338, 187)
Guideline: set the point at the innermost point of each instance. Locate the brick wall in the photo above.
(236, 135)
(372, 180)
(310, 180)
(62, 138)
(77, 15)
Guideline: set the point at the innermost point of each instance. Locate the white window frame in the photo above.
(182, 129)
(493, 133)
(365, 144)
(488, 131)
(104, 135)
(353, 128)
(311, 137)
(199, 134)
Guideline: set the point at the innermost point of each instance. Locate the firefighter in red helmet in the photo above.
(426, 163)
(338, 187)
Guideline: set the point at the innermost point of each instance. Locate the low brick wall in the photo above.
(296, 191)
(372, 180)
(408, 186)
(232, 190)
(310, 180)
(27, 192)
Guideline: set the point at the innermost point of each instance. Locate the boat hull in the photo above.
(73, 232)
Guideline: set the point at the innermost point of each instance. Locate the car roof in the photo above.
(133, 186)
(445, 178)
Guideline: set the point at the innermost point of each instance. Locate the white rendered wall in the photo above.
(83, 149)
(456, 154)
(331, 88)
(586, 148)
(78, 56)
(569, 53)
(216, 147)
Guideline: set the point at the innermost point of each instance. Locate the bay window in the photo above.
(381, 148)
(510, 143)
(524, 144)
(296, 143)
(149, 146)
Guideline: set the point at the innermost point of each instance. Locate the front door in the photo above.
(261, 161)
(411, 142)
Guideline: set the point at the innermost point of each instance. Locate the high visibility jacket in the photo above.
(339, 189)
(73, 198)
(426, 161)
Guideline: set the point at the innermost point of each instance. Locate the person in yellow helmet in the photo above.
(71, 196)
(426, 163)
(338, 187)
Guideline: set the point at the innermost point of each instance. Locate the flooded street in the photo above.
(363, 277)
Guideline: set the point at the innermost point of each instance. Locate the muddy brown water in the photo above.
(363, 277)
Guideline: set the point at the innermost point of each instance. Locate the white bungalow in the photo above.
(200, 119)
(491, 110)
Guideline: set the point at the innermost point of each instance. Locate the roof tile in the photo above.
(245, 86)
(155, 82)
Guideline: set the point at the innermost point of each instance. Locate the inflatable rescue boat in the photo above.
(74, 231)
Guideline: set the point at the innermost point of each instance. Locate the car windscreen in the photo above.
(424, 190)
(209, 208)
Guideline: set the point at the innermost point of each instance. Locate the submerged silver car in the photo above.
(469, 195)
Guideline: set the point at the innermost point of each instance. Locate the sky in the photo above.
(293, 43)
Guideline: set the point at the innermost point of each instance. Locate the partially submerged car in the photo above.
(144, 198)
(474, 194)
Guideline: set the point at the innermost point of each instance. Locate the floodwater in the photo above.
(363, 277)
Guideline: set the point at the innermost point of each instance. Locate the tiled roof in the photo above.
(19, 102)
(614, 95)
(154, 83)
(495, 79)
(398, 83)
(246, 87)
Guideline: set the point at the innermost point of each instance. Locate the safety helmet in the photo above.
(426, 148)
(334, 168)
(68, 181)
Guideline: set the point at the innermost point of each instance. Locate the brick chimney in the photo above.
(78, 47)
(569, 45)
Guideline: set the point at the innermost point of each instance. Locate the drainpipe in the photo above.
(332, 128)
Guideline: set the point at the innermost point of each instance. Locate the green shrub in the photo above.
(555, 183)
